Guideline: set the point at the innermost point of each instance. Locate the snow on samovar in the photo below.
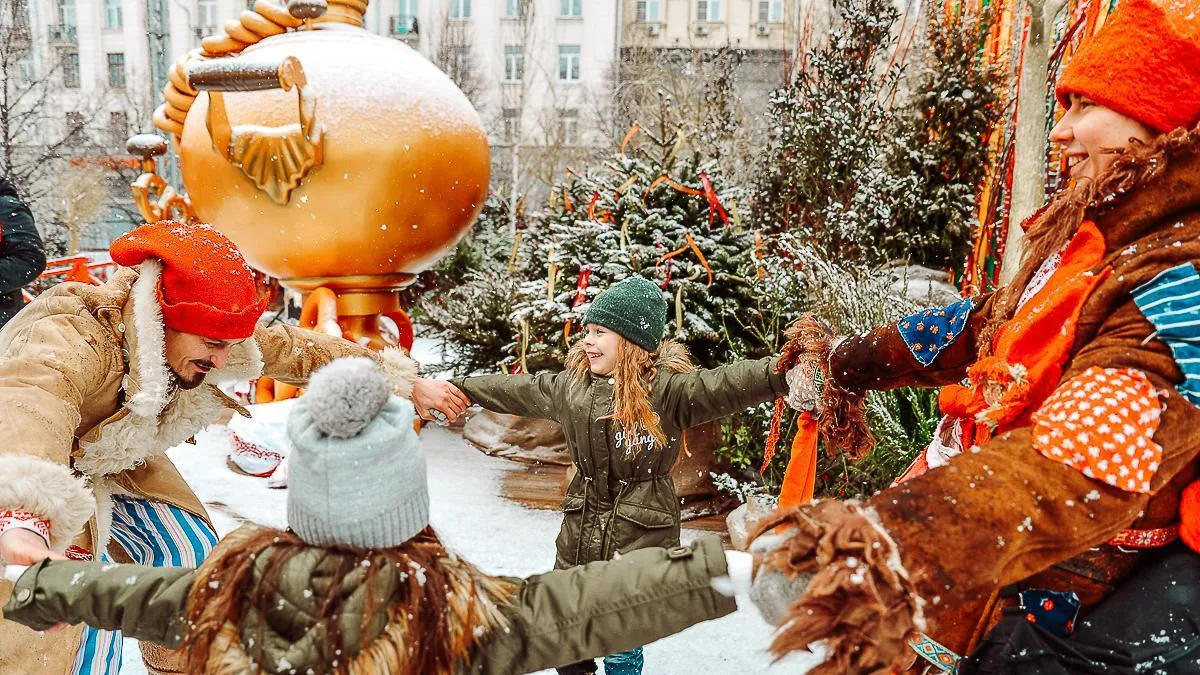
(342, 163)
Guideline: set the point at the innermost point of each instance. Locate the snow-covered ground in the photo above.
(474, 519)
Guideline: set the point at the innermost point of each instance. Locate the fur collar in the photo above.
(673, 357)
(157, 416)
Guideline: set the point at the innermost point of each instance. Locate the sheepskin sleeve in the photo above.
(49, 366)
(292, 355)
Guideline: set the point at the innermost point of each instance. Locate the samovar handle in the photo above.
(252, 147)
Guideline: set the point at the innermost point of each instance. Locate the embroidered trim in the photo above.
(1041, 276)
(930, 331)
(11, 520)
(1155, 538)
(935, 653)
(79, 553)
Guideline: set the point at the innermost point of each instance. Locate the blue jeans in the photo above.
(625, 663)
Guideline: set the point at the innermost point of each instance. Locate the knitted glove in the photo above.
(773, 592)
(805, 383)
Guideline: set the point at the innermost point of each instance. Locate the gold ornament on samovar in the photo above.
(336, 159)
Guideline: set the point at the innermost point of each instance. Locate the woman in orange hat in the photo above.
(1071, 395)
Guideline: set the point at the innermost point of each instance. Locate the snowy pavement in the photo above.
(499, 535)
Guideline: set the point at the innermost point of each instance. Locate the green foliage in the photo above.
(830, 131)
(615, 221)
(864, 180)
(942, 157)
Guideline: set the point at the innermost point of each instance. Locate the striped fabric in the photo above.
(152, 533)
(1171, 302)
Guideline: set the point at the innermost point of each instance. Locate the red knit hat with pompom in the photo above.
(206, 286)
(1143, 63)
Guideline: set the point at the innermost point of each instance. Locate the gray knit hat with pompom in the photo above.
(356, 474)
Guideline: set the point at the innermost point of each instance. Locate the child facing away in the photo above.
(360, 583)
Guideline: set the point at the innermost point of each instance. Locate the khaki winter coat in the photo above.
(540, 622)
(1005, 513)
(623, 497)
(87, 410)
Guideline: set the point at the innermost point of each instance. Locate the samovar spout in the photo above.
(275, 159)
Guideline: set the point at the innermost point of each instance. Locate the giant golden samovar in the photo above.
(336, 159)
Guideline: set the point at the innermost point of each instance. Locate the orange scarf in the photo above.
(1030, 349)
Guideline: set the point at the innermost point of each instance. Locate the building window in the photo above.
(206, 16)
(460, 9)
(514, 9)
(572, 8)
(568, 63)
(459, 64)
(25, 68)
(649, 11)
(66, 12)
(118, 128)
(770, 11)
(116, 70)
(74, 126)
(568, 127)
(512, 124)
(69, 61)
(407, 13)
(514, 63)
(112, 14)
(708, 10)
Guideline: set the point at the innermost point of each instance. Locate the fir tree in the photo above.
(826, 173)
(941, 155)
(640, 214)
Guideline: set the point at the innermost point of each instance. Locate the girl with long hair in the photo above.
(624, 401)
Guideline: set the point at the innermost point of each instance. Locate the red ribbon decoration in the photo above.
(714, 204)
(708, 192)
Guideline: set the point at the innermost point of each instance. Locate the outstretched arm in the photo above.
(1113, 434)
(699, 396)
(606, 607)
(931, 348)
(524, 395)
(291, 355)
(145, 603)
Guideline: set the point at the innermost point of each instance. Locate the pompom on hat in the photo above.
(206, 286)
(356, 474)
(1143, 63)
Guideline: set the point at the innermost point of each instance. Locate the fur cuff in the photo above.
(400, 371)
(51, 491)
(860, 601)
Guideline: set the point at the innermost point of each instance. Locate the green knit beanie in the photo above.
(634, 308)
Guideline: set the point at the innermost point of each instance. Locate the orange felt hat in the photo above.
(1143, 63)
(206, 286)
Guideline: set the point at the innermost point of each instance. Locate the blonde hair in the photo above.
(633, 380)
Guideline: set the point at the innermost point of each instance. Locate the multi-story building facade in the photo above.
(541, 72)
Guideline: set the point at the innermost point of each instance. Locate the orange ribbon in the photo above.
(706, 190)
(691, 244)
(629, 136)
(800, 478)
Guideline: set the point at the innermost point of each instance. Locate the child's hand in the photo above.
(804, 386)
(25, 547)
(429, 395)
